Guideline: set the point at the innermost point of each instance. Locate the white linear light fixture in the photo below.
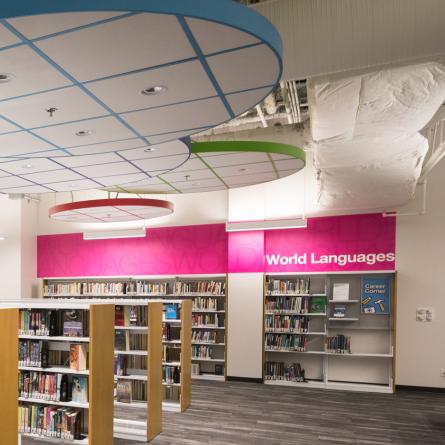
(115, 234)
(243, 226)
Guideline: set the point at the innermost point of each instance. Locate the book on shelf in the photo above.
(34, 353)
(171, 374)
(291, 372)
(196, 369)
(124, 391)
(219, 369)
(287, 342)
(120, 340)
(200, 287)
(206, 320)
(339, 311)
(203, 303)
(172, 311)
(119, 316)
(73, 323)
(47, 421)
(204, 336)
(199, 351)
(296, 286)
(299, 305)
(79, 389)
(287, 323)
(340, 291)
(317, 305)
(172, 392)
(339, 344)
(78, 357)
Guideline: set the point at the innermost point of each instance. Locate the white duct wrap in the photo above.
(367, 145)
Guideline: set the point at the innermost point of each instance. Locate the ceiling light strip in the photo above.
(243, 226)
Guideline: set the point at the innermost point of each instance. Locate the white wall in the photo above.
(421, 268)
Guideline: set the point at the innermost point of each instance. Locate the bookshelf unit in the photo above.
(209, 337)
(296, 338)
(144, 320)
(208, 296)
(48, 359)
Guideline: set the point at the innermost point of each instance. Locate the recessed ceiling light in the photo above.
(6, 77)
(150, 149)
(27, 166)
(154, 90)
(84, 133)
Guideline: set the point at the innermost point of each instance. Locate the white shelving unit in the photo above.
(369, 366)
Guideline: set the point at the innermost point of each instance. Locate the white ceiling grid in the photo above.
(64, 61)
(368, 149)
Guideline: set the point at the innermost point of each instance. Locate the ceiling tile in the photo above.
(213, 37)
(160, 150)
(106, 147)
(205, 189)
(285, 173)
(26, 189)
(7, 37)
(82, 184)
(118, 168)
(234, 181)
(185, 81)
(135, 43)
(192, 175)
(238, 101)
(279, 157)
(190, 165)
(176, 135)
(6, 127)
(82, 161)
(202, 113)
(164, 163)
(158, 188)
(41, 25)
(13, 181)
(53, 176)
(28, 166)
(108, 181)
(261, 167)
(103, 129)
(71, 103)
(289, 164)
(31, 73)
(230, 158)
(191, 185)
(18, 144)
(262, 69)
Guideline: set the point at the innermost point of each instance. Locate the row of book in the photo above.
(298, 286)
(171, 374)
(171, 353)
(36, 353)
(47, 421)
(286, 323)
(124, 363)
(94, 288)
(286, 342)
(53, 322)
(131, 316)
(290, 372)
(204, 336)
(299, 305)
(53, 387)
(200, 287)
(136, 390)
(129, 341)
(199, 351)
(197, 369)
(202, 303)
(339, 344)
(205, 320)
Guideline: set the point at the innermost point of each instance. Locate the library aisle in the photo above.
(250, 414)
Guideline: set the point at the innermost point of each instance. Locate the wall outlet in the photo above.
(442, 372)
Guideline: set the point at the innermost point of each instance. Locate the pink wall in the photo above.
(332, 244)
(164, 251)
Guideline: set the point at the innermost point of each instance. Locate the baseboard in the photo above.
(420, 388)
(243, 379)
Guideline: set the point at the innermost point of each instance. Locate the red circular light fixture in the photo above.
(111, 210)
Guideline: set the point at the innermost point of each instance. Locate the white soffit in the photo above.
(368, 149)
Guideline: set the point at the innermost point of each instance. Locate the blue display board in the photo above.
(376, 295)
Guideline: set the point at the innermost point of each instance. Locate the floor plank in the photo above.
(232, 413)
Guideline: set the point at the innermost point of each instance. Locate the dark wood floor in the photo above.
(246, 413)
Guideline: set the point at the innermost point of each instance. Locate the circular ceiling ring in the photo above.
(92, 80)
(111, 210)
(223, 165)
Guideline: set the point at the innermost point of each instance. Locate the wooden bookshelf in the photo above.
(97, 412)
(368, 366)
(186, 335)
(8, 375)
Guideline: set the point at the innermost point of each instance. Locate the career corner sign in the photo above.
(376, 295)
